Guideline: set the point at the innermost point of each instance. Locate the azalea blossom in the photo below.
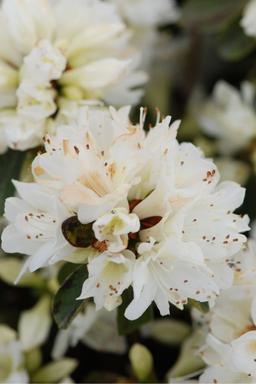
(54, 50)
(186, 255)
(109, 275)
(161, 274)
(230, 116)
(229, 349)
(149, 212)
(35, 226)
(93, 166)
(114, 227)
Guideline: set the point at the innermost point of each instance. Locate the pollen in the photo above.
(38, 170)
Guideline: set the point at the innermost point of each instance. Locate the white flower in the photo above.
(248, 19)
(21, 133)
(229, 350)
(164, 273)
(148, 13)
(35, 226)
(114, 227)
(230, 116)
(144, 17)
(43, 64)
(53, 50)
(152, 209)
(211, 223)
(187, 253)
(96, 329)
(179, 171)
(93, 167)
(109, 275)
(244, 264)
(12, 364)
(230, 347)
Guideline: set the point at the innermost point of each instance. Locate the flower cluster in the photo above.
(147, 211)
(113, 219)
(52, 52)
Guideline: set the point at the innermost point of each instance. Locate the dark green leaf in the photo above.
(65, 306)
(10, 166)
(77, 234)
(210, 15)
(126, 326)
(235, 45)
(66, 270)
(201, 306)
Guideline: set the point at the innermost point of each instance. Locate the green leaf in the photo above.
(65, 271)
(126, 326)
(77, 234)
(201, 306)
(65, 306)
(54, 372)
(10, 166)
(235, 45)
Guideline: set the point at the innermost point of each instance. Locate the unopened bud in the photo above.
(141, 361)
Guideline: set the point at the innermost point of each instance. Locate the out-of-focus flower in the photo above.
(53, 50)
(229, 350)
(12, 362)
(230, 116)
(248, 19)
(189, 364)
(144, 18)
(152, 209)
(34, 325)
(97, 329)
(144, 13)
(20, 359)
